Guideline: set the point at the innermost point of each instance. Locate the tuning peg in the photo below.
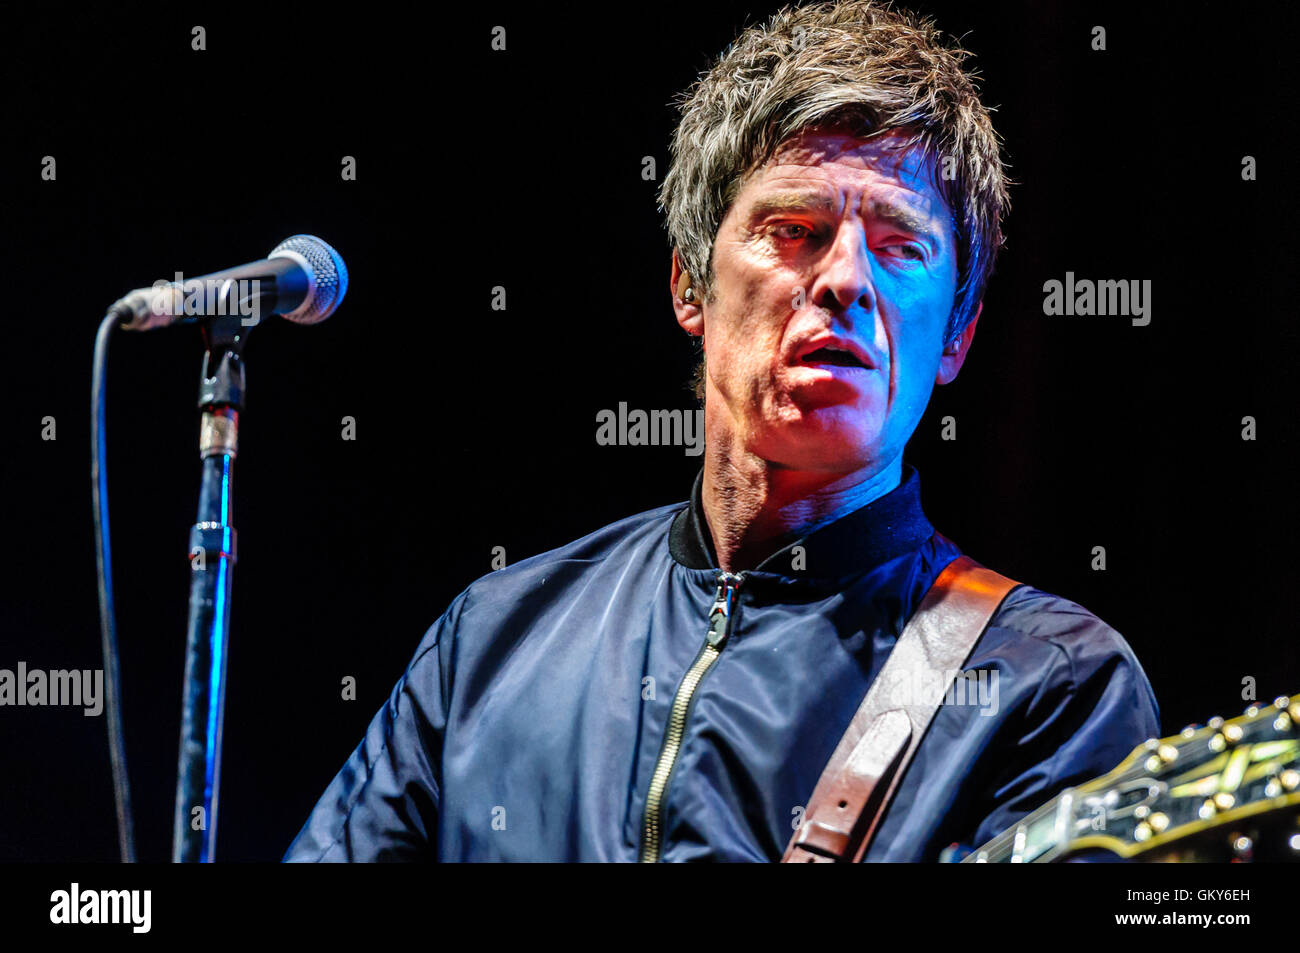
(1164, 754)
(1242, 847)
(1190, 730)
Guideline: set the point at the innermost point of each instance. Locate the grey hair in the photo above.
(855, 63)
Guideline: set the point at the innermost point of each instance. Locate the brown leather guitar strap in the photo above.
(864, 771)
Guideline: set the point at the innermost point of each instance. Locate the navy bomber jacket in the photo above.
(535, 722)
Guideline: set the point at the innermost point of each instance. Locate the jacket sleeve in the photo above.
(383, 804)
(1093, 706)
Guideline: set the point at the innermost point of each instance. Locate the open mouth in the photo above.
(832, 355)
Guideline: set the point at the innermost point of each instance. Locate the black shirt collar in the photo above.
(871, 535)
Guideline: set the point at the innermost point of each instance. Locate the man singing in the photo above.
(670, 687)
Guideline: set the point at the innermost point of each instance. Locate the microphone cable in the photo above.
(104, 565)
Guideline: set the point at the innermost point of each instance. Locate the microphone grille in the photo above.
(330, 276)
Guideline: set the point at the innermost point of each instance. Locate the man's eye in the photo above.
(910, 252)
(792, 231)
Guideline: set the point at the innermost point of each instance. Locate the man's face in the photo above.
(835, 270)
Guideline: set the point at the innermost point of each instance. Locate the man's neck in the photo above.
(751, 504)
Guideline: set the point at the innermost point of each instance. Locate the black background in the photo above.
(476, 428)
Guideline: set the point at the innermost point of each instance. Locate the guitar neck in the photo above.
(1222, 778)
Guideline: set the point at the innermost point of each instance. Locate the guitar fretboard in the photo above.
(1035, 839)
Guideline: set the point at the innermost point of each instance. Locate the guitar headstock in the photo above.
(1217, 785)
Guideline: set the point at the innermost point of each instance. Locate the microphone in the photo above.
(303, 279)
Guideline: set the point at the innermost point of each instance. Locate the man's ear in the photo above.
(954, 353)
(689, 315)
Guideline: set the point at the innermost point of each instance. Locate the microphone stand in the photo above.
(212, 562)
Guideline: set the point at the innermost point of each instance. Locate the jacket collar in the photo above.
(871, 535)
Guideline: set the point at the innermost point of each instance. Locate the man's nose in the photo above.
(845, 278)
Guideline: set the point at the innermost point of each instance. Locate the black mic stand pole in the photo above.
(212, 562)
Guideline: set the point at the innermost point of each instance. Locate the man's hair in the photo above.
(855, 64)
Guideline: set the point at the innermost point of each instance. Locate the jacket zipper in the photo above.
(720, 616)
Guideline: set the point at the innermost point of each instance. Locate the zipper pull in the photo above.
(723, 604)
